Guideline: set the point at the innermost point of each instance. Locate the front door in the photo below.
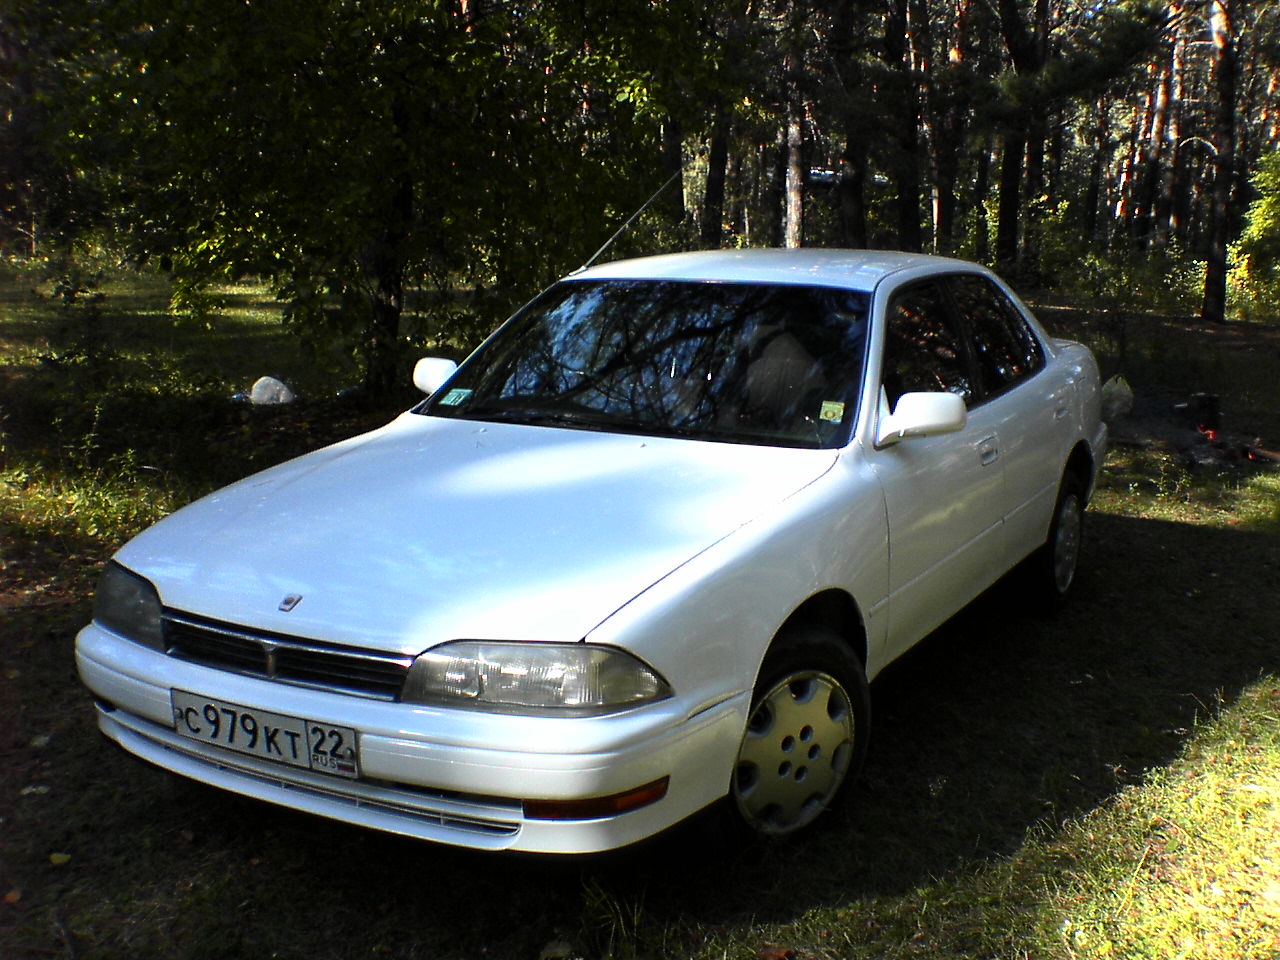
(943, 494)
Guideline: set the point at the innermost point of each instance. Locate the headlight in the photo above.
(128, 605)
(544, 678)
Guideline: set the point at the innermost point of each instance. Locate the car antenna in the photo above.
(631, 219)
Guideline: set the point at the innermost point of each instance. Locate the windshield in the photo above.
(733, 362)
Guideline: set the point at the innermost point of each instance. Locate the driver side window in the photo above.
(922, 350)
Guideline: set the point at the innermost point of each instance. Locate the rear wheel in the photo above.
(1054, 565)
(806, 734)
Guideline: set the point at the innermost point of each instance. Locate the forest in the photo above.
(405, 173)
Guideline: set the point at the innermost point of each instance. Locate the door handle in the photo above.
(988, 451)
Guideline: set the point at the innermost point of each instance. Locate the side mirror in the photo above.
(922, 415)
(430, 372)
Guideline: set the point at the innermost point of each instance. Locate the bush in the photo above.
(1255, 271)
(1117, 277)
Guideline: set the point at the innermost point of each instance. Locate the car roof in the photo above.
(853, 269)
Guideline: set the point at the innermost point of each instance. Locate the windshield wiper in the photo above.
(528, 411)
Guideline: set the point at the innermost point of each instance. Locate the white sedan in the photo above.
(638, 555)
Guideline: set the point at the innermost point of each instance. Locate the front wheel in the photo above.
(806, 734)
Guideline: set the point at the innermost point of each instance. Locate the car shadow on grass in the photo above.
(1009, 719)
(1004, 721)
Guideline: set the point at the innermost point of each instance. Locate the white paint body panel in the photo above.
(554, 528)
(688, 554)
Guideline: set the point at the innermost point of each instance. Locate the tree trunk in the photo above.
(947, 149)
(1093, 197)
(1222, 27)
(1033, 186)
(1165, 224)
(1144, 214)
(775, 187)
(852, 189)
(950, 124)
(1027, 51)
(981, 186)
(904, 105)
(713, 200)
(793, 221)
(386, 267)
(1123, 210)
(19, 212)
(845, 66)
(673, 163)
(1037, 133)
(1009, 200)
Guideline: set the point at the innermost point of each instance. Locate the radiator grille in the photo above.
(368, 673)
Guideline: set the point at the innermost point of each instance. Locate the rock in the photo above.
(268, 391)
(1117, 399)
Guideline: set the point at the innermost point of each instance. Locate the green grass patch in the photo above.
(1104, 782)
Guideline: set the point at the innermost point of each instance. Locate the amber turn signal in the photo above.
(594, 808)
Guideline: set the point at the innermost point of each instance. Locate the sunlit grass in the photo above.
(1184, 866)
(103, 505)
(1162, 486)
(1187, 865)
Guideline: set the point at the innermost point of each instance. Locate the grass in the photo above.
(1100, 783)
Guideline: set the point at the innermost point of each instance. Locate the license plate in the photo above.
(270, 736)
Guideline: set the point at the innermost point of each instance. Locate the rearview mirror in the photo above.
(430, 373)
(921, 415)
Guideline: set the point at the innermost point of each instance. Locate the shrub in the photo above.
(1255, 271)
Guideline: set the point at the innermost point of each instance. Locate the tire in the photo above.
(1058, 559)
(806, 734)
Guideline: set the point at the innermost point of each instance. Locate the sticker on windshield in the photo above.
(831, 411)
(454, 397)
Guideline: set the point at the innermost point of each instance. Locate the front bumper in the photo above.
(446, 775)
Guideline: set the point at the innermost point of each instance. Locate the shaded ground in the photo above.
(1168, 360)
(1004, 722)
(1000, 722)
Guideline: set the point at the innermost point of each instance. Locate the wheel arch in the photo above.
(1080, 464)
(837, 610)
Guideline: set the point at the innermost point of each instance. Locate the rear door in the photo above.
(1025, 401)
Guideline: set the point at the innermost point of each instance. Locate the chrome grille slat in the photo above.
(367, 673)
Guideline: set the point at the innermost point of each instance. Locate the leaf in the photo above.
(59, 859)
(775, 953)
(13, 896)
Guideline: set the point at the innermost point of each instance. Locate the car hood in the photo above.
(431, 529)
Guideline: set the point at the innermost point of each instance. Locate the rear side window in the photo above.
(1004, 346)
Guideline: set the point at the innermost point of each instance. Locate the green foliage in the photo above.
(348, 151)
(1255, 275)
(1118, 276)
